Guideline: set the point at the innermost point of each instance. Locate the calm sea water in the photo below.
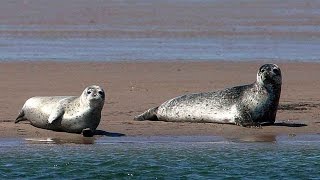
(162, 158)
(160, 49)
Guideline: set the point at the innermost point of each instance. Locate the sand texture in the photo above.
(132, 88)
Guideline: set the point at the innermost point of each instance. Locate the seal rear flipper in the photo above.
(56, 114)
(150, 114)
(20, 117)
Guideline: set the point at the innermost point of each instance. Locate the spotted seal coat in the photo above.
(246, 105)
(65, 113)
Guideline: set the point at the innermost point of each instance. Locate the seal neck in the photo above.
(83, 101)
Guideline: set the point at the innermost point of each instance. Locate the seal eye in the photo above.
(276, 71)
(101, 93)
(88, 92)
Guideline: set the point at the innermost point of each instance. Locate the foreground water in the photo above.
(162, 158)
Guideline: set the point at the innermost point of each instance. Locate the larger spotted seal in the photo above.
(65, 113)
(247, 105)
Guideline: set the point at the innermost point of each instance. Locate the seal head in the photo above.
(269, 75)
(93, 96)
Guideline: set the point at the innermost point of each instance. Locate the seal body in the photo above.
(247, 105)
(65, 113)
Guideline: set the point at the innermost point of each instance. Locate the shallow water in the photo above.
(162, 158)
(159, 49)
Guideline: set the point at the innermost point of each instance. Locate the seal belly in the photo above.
(198, 108)
(38, 109)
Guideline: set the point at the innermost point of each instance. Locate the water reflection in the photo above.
(74, 139)
(103, 140)
(255, 138)
(66, 140)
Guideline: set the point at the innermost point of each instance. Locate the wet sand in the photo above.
(152, 30)
(134, 87)
(152, 18)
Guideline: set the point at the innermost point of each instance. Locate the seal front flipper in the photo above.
(56, 114)
(20, 117)
(150, 114)
(87, 132)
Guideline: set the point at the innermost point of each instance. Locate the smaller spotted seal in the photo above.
(247, 105)
(66, 113)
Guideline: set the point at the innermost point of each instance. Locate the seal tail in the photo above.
(20, 117)
(150, 114)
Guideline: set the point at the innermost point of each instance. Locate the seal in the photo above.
(247, 105)
(66, 113)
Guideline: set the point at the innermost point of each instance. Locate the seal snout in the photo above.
(98, 94)
(95, 92)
